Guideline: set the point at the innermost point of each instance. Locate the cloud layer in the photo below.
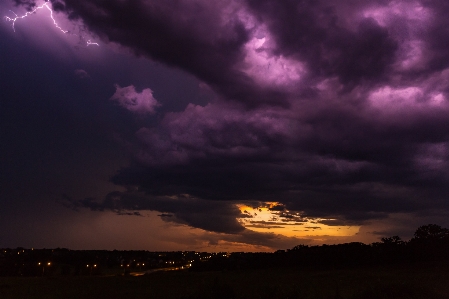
(333, 109)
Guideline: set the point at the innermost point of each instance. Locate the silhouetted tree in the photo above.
(395, 240)
(431, 232)
(430, 242)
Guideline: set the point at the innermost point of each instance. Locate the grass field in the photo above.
(406, 281)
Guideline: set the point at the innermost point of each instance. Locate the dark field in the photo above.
(412, 281)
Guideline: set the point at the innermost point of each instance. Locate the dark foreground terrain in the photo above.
(419, 280)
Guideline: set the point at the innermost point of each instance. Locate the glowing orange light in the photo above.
(265, 219)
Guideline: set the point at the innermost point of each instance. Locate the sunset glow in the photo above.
(265, 220)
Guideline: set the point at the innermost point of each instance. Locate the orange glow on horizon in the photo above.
(268, 219)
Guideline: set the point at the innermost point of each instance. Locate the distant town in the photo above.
(63, 261)
(430, 243)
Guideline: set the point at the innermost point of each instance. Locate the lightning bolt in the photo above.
(43, 6)
(92, 43)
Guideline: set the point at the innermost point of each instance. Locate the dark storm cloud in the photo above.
(436, 35)
(332, 109)
(311, 31)
(193, 36)
(216, 216)
(203, 153)
(28, 4)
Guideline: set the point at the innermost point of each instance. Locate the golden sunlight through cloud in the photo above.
(272, 218)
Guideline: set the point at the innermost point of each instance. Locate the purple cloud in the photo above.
(331, 109)
(130, 99)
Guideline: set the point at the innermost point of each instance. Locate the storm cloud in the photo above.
(331, 109)
(215, 216)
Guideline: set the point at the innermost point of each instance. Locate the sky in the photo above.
(242, 125)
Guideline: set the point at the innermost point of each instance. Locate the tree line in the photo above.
(429, 243)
